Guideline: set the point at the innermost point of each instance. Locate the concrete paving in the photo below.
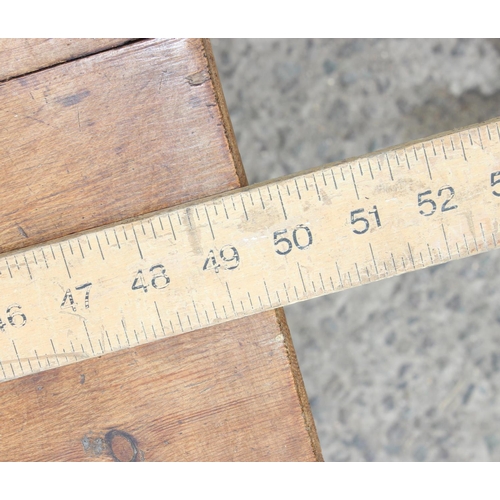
(406, 369)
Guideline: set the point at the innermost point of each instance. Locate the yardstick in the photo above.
(250, 250)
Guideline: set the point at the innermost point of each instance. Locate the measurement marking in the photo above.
(88, 242)
(379, 165)
(446, 241)
(489, 134)
(298, 190)
(100, 345)
(439, 252)
(394, 263)
(373, 257)
(34, 257)
(196, 312)
(314, 288)
(444, 152)
(470, 139)
(152, 228)
(159, 317)
(225, 313)
(301, 277)
(389, 165)
(261, 199)
(17, 263)
(427, 162)
(411, 256)
(354, 181)
(71, 248)
(494, 239)
(333, 177)
(370, 168)
(143, 230)
(180, 322)
(171, 326)
(452, 144)
(286, 293)
(38, 359)
(99, 245)
(268, 192)
(105, 234)
(458, 249)
(55, 352)
(209, 223)
(3, 371)
(8, 267)
(323, 174)
(144, 331)
(433, 148)
(137, 241)
(430, 253)
(154, 331)
(125, 233)
(197, 214)
(118, 340)
(305, 183)
(415, 153)
(349, 276)
(386, 270)
(357, 270)
(463, 149)
(282, 206)
(360, 169)
(250, 300)
(368, 274)
(171, 227)
(317, 189)
(81, 251)
(466, 245)
(109, 342)
(287, 189)
(27, 266)
(475, 242)
(116, 238)
(267, 292)
(480, 138)
(498, 131)
(340, 276)
(403, 261)
(208, 320)
(179, 218)
(161, 223)
(17, 355)
(242, 306)
(484, 237)
(230, 297)
(278, 297)
(88, 336)
(407, 162)
(331, 283)
(321, 279)
(243, 205)
(12, 369)
(124, 329)
(64, 258)
(215, 311)
(189, 321)
(260, 302)
(296, 294)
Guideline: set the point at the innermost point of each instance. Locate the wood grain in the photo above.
(116, 135)
(19, 56)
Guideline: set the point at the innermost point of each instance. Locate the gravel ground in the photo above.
(406, 369)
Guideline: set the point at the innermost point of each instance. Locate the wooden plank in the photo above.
(112, 136)
(19, 56)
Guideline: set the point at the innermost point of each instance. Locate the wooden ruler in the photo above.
(250, 250)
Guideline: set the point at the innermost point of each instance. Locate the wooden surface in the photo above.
(111, 136)
(19, 56)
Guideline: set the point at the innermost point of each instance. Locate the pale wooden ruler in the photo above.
(250, 250)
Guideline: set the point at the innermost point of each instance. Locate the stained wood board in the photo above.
(111, 136)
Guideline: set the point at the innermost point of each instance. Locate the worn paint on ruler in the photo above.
(250, 250)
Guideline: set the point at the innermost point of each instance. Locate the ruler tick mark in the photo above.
(427, 162)
(317, 189)
(415, 153)
(458, 250)
(470, 139)
(152, 228)
(99, 245)
(297, 187)
(137, 241)
(407, 161)
(143, 230)
(261, 200)
(357, 271)
(124, 330)
(324, 178)
(370, 168)
(88, 242)
(433, 148)
(88, 336)
(333, 177)
(34, 258)
(305, 183)
(354, 182)
(244, 207)
(342, 173)
(331, 283)
(282, 206)
(171, 227)
(116, 238)
(480, 138)
(180, 322)
(109, 342)
(267, 292)
(360, 169)
(489, 133)
(301, 277)
(446, 240)
(389, 165)
(27, 266)
(394, 263)
(171, 326)
(64, 258)
(321, 279)
(462, 143)
(286, 293)
(209, 223)
(373, 257)
(17, 355)
(494, 239)
(444, 151)
(230, 298)
(349, 277)
(71, 248)
(430, 253)
(159, 317)
(55, 352)
(482, 231)
(81, 251)
(196, 312)
(340, 276)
